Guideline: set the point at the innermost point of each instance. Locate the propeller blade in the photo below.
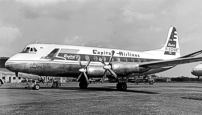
(80, 62)
(87, 64)
(111, 56)
(113, 73)
(79, 77)
(104, 76)
(86, 77)
(102, 61)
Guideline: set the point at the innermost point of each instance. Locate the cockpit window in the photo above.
(29, 50)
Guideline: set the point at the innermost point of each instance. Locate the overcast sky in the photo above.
(125, 24)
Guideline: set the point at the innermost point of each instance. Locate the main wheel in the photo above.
(36, 87)
(83, 85)
(1, 82)
(121, 86)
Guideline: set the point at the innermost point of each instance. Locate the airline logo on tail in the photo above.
(172, 44)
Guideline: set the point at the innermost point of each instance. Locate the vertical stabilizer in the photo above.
(171, 46)
(171, 49)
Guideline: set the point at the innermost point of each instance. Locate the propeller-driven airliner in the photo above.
(93, 62)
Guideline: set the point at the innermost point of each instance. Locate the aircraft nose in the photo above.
(8, 65)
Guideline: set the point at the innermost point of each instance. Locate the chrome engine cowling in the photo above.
(120, 68)
(95, 71)
(127, 68)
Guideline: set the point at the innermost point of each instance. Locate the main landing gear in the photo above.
(83, 85)
(121, 86)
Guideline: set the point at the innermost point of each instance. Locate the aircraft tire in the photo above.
(36, 87)
(83, 85)
(1, 82)
(121, 86)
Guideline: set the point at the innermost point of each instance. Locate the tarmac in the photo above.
(102, 99)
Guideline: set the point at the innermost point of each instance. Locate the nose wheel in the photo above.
(121, 86)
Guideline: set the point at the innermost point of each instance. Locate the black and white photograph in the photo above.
(100, 57)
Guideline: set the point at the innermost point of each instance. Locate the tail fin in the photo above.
(171, 46)
(171, 49)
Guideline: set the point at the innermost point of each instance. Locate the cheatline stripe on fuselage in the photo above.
(59, 62)
(63, 61)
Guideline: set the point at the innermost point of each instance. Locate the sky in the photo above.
(137, 25)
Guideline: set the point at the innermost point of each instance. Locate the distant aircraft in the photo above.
(197, 70)
(93, 62)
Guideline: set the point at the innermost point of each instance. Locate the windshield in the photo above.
(29, 50)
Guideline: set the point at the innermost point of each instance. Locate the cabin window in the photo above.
(117, 59)
(104, 58)
(132, 60)
(99, 58)
(78, 57)
(87, 58)
(138, 60)
(95, 58)
(144, 60)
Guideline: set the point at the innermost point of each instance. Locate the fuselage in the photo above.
(63, 60)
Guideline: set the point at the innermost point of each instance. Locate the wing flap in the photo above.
(173, 62)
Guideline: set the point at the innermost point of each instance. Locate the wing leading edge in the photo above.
(167, 63)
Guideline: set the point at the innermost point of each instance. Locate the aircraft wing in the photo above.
(192, 54)
(167, 63)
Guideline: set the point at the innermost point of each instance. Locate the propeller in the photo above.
(108, 67)
(83, 71)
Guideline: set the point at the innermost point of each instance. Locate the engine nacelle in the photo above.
(95, 71)
(120, 68)
(127, 68)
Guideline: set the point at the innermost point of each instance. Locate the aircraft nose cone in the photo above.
(8, 65)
